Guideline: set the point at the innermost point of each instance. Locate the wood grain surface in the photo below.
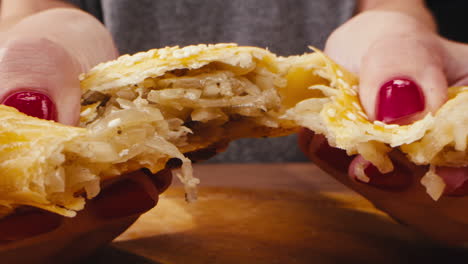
(270, 213)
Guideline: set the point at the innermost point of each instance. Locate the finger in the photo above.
(27, 224)
(208, 152)
(354, 170)
(455, 179)
(332, 160)
(363, 171)
(303, 139)
(402, 79)
(134, 194)
(123, 198)
(456, 61)
(39, 78)
(402, 196)
(400, 63)
(42, 60)
(406, 201)
(80, 33)
(162, 180)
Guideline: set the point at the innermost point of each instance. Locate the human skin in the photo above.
(404, 68)
(39, 64)
(35, 45)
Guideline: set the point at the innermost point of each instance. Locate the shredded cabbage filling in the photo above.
(157, 117)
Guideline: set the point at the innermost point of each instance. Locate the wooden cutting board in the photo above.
(271, 213)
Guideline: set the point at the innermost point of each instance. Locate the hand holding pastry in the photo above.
(38, 71)
(404, 69)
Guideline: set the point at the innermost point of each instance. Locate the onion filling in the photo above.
(156, 117)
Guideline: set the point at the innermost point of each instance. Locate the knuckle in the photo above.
(32, 55)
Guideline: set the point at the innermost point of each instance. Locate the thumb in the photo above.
(40, 78)
(402, 79)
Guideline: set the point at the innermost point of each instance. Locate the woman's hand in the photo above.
(44, 46)
(404, 69)
(36, 236)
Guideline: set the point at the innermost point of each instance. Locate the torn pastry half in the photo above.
(141, 111)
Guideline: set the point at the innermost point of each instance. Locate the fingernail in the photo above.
(162, 179)
(26, 224)
(208, 152)
(332, 157)
(121, 199)
(399, 99)
(173, 163)
(202, 154)
(397, 180)
(33, 103)
(456, 180)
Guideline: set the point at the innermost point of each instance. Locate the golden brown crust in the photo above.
(128, 70)
(40, 158)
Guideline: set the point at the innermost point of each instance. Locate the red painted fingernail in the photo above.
(33, 103)
(397, 180)
(331, 157)
(162, 179)
(121, 199)
(201, 155)
(456, 180)
(399, 99)
(26, 224)
(208, 152)
(173, 163)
